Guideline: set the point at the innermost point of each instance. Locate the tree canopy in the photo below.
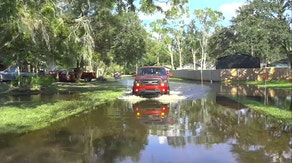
(102, 33)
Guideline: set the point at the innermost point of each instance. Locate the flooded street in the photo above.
(195, 123)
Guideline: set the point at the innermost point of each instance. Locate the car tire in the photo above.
(135, 94)
(87, 79)
(133, 91)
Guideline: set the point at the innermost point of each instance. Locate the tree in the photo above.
(221, 43)
(257, 29)
(176, 28)
(74, 32)
(206, 22)
(192, 42)
(160, 33)
(171, 30)
(129, 43)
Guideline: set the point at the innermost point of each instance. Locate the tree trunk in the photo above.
(204, 54)
(194, 57)
(157, 60)
(171, 56)
(180, 51)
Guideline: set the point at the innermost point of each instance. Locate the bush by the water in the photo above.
(32, 81)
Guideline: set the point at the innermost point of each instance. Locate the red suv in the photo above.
(151, 80)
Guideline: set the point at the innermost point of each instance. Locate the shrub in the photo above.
(32, 81)
(43, 81)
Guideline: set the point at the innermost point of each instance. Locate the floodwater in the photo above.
(196, 123)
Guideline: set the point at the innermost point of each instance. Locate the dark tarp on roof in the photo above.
(237, 61)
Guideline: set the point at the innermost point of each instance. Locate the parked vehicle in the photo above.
(133, 73)
(101, 78)
(66, 76)
(117, 75)
(71, 75)
(12, 72)
(169, 73)
(151, 80)
(88, 76)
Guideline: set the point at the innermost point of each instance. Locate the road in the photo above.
(178, 91)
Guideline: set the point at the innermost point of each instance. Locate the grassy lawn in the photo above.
(284, 116)
(26, 116)
(285, 84)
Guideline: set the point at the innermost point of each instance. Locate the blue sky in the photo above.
(227, 7)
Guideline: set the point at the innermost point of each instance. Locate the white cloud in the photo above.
(157, 15)
(164, 6)
(229, 9)
(150, 17)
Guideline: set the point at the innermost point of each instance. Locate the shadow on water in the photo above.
(212, 129)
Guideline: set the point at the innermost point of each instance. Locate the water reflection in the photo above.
(13, 99)
(280, 98)
(203, 130)
(151, 112)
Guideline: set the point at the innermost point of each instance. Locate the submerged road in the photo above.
(178, 91)
(190, 125)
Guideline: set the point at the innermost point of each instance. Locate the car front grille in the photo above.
(150, 81)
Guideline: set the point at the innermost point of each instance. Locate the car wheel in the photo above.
(87, 79)
(133, 91)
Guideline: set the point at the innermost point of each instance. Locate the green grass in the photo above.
(284, 116)
(179, 80)
(176, 79)
(272, 84)
(22, 117)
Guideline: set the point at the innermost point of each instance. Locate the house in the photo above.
(237, 61)
(283, 63)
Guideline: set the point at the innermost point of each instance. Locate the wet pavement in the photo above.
(195, 123)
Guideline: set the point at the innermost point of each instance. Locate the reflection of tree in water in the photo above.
(118, 147)
(253, 136)
(250, 133)
(113, 133)
(176, 141)
(119, 136)
(102, 135)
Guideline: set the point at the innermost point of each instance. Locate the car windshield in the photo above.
(152, 71)
(11, 69)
